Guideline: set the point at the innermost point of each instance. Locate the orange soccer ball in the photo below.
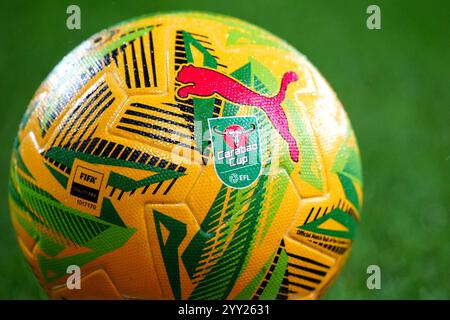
(185, 156)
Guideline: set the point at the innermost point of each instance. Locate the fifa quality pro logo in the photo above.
(236, 150)
(86, 184)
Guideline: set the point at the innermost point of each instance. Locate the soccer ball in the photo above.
(185, 156)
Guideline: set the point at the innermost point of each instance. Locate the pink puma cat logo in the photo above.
(203, 82)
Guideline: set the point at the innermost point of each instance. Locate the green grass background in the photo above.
(393, 82)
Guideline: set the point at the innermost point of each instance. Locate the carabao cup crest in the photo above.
(236, 150)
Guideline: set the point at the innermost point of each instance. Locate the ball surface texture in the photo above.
(185, 156)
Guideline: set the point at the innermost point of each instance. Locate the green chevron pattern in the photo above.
(339, 216)
(116, 180)
(55, 226)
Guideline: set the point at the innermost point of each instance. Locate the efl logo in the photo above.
(86, 184)
(236, 150)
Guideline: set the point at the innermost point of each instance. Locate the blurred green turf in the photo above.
(394, 84)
